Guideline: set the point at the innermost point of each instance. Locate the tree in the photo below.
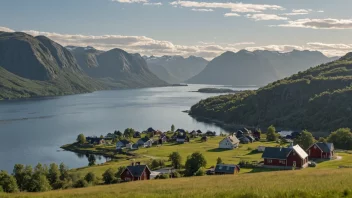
(305, 140)
(321, 139)
(342, 138)
(19, 174)
(81, 183)
(128, 133)
(118, 133)
(161, 163)
(175, 159)
(63, 171)
(81, 139)
(271, 134)
(90, 178)
(219, 161)
(8, 182)
(109, 176)
(173, 128)
(154, 165)
(39, 183)
(54, 173)
(199, 172)
(91, 160)
(194, 163)
(101, 136)
(120, 171)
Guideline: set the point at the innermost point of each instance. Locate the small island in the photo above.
(216, 90)
(179, 85)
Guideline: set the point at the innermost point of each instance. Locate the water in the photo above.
(32, 131)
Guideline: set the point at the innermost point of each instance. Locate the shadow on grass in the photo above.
(253, 152)
(217, 150)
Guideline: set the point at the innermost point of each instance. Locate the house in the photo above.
(261, 148)
(204, 139)
(145, 142)
(193, 134)
(256, 134)
(250, 138)
(229, 142)
(223, 169)
(182, 138)
(122, 144)
(136, 172)
(285, 158)
(199, 132)
(95, 140)
(180, 131)
(210, 133)
(137, 134)
(321, 150)
(132, 146)
(244, 140)
(163, 138)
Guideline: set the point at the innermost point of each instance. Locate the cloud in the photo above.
(242, 43)
(279, 48)
(234, 7)
(153, 4)
(131, 1)
(302, 10)
(295, 13)
(231, 14)
(320, 23)
(5, 29)
(265, 17)
(202, 10)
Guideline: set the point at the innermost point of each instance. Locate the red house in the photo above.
(285, 158)
(321, 150)
(136, 172)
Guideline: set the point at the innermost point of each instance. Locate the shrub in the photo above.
(176, 174)
(199, 172)
(81, 184)
(109, 176)
(90, 178)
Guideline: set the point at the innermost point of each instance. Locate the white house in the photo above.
(145, 142)
(230, 142)
(122, 144)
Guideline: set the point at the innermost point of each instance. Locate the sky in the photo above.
(203, 28)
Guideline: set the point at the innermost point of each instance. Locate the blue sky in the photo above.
(203, 28)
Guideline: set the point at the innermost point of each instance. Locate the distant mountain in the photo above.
(178, 69)
(257, 68)
(37, 66)
(318, 99)
(116, 66)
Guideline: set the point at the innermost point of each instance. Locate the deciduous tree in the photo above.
(175, 159)
(194, 163)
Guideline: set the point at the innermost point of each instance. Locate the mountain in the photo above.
(37, 66)
(318, 99)
(116, 66)
(178, 69)
(256, 68)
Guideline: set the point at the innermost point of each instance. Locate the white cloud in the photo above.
(320, 11)
(131, 1)
(5, 29)
(153, 4)
(302, 10)
(265, 17)
(234, 7)
(242, 43)
(202, 10)
(295, 13)
(320, 23)
(279, 48)
(231, 14)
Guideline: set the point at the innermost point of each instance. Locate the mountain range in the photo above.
(257, 68)
(318, 99)
(37, 66)
(175, 69)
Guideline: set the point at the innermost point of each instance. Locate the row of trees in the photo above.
(194, 164)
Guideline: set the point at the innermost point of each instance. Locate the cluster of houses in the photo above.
(243, 136)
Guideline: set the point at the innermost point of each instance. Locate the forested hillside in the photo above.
(317, 99)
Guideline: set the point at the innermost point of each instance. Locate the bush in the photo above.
(90, 178)
(199, 172)
(81, 184)
(109, 176)
(163, 176)
(176, 175)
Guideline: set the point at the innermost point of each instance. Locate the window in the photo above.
(270, 161)
(282, 162)
(315, 147)
(294, 153)
(220, 167)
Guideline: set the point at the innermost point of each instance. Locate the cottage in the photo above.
(182, 138)
(137, 134)
(145, 142)
(250, 138)
(223, 169)
(199, 132)
(193, 134)
(286, 158)
(136, 172)
(256, 134)
(321, 150)
(204, 139)
(163, 138)
(132, 146)
(122, 144)
(95, 140)
(244, 140)
(230, 142)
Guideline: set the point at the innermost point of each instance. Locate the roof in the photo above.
(325, 147)
(225, 168)
(124, 141)
(244, 139)
(282, 153)
(137, 170)
(181, 130)
(144, 139)
(181, 135)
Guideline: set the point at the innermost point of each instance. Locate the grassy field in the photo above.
(280, 184)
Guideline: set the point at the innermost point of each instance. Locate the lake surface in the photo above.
(33, 130)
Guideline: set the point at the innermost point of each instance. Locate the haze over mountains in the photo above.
(257, 68)
(175, 69)
(37, 66)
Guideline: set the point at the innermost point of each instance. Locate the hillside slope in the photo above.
(317, 99)
(302, 183)
(28, 63)
(179, 68)
(256, 68)
(116, 65)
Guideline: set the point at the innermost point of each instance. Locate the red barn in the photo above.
(285, 158)
(136, 172)
(321, 150)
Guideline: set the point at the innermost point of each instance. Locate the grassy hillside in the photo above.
(318, 99)
(314, 183)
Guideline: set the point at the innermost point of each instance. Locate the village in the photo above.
(239, 152)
